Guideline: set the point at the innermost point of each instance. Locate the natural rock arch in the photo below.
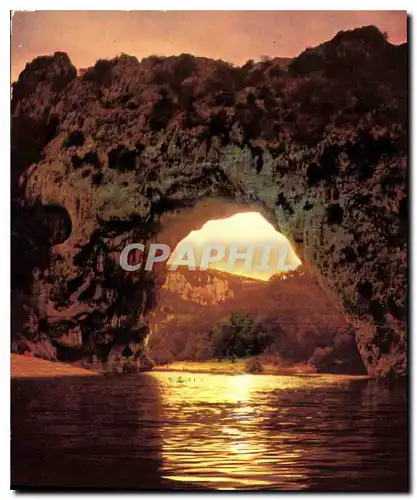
(118, 149)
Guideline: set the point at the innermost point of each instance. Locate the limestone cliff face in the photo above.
(99, 158)
(209, 292)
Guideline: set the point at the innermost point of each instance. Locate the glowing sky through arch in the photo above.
(242, 229)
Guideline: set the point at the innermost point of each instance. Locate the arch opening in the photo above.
(244, 244)
(280, 319)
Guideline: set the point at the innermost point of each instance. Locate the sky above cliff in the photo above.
(232, 36)
(243, 231)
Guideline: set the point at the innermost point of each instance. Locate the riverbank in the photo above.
(238, 367)
(26, 366)
(23, 366)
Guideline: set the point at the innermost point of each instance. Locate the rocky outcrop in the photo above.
(320, 145)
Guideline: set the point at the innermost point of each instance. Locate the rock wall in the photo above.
(320, 144)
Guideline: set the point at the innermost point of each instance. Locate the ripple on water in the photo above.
(180, 430)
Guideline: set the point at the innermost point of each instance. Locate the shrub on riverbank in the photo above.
(254, 366)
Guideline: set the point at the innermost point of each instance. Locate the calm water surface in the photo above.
(172, 430)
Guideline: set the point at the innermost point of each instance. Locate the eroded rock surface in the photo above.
(320, 144)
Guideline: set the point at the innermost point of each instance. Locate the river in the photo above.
(172, 430)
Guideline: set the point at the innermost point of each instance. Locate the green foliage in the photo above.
(241, 336)
(100, 73)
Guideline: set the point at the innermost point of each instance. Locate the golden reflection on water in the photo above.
(239, 432)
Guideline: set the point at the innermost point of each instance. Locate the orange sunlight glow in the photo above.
(241, 229)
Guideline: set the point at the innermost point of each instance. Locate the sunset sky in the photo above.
(232, 36)
(242, 230)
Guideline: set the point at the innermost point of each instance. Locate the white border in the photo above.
(5, 179)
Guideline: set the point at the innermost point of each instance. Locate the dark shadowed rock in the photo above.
(320, 145)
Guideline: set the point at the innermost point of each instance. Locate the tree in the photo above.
(241, 336)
